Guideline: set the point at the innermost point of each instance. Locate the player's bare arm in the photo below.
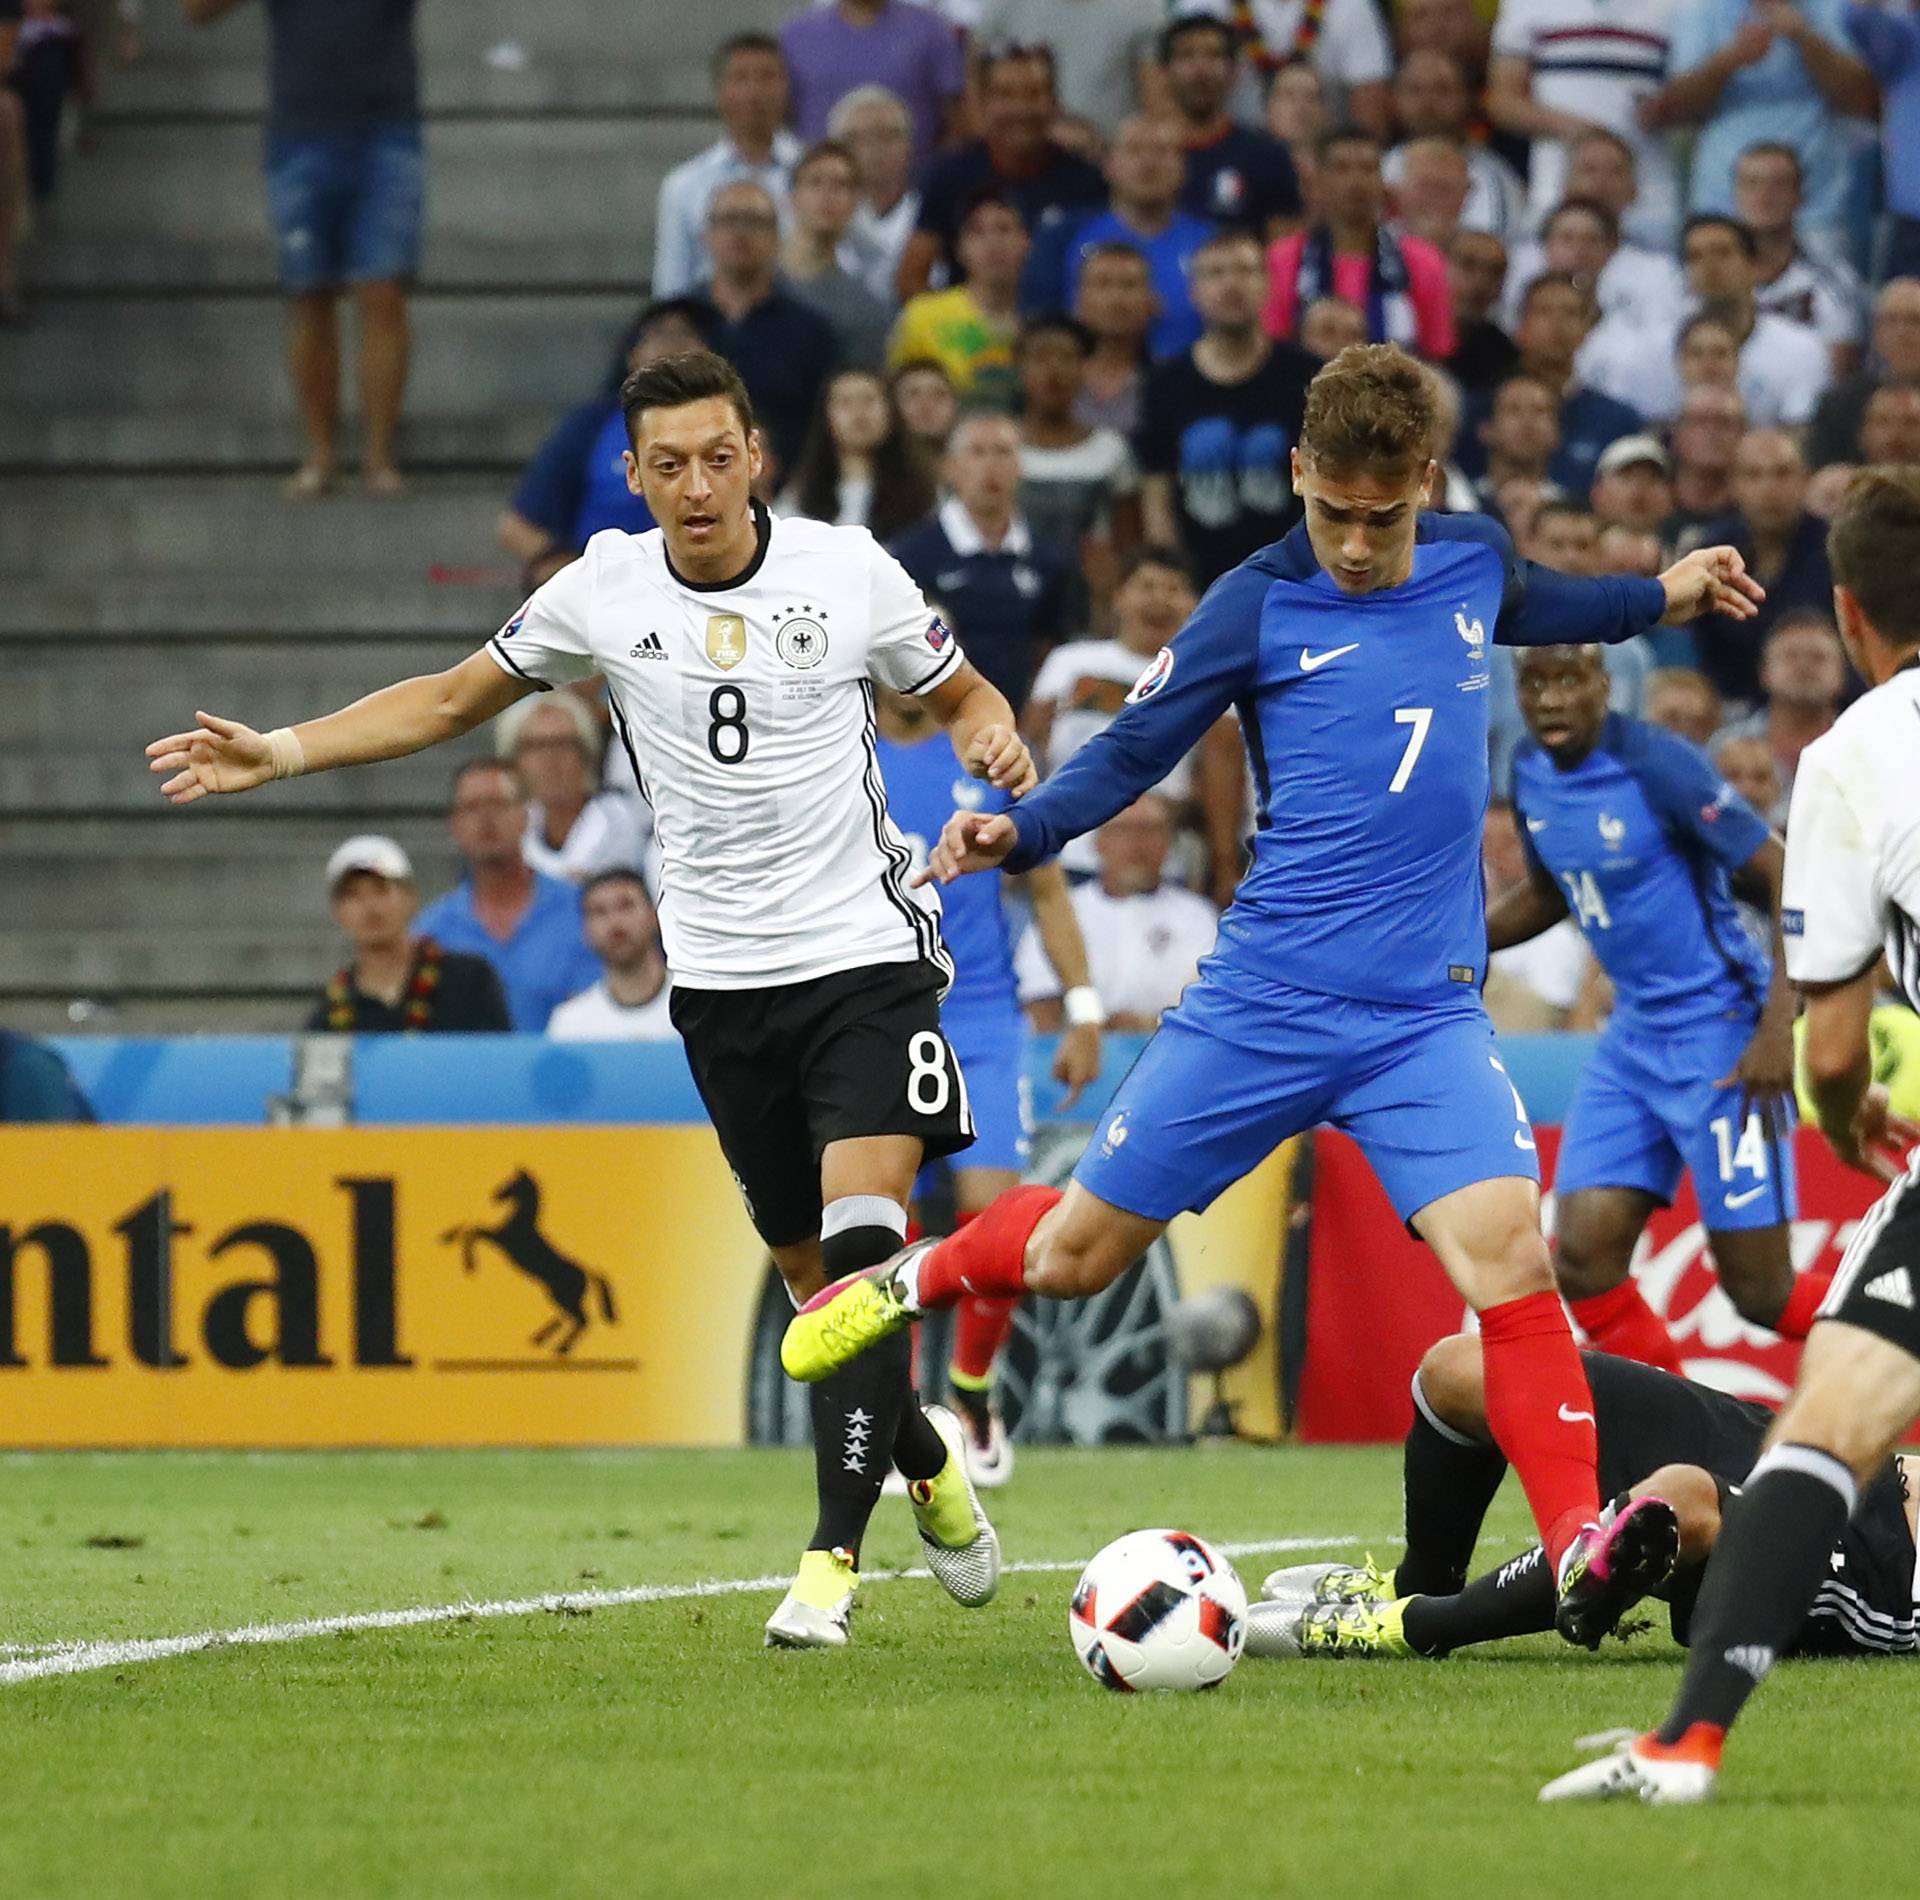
(222, 755)
(1076, 1060)
(984, 731)
(1849, 1105)
(1710, 581)
(1521, 914)
(1765, 1068)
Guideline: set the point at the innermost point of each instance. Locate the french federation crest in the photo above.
(1474, 633)
(726, 640)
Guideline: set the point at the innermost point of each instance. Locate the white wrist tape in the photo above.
(289, 761)
(1083, 1007)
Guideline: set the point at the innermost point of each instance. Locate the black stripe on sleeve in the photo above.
(512, 665)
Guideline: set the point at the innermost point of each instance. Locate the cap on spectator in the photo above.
(1631, 450)
(369, 852)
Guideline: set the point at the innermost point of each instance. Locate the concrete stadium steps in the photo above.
(474, 356)
(109, 961)
(218, 527)
(535, 201)
(464, 605)
(261, 1013)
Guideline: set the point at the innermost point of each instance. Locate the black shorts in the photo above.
(1877, 1284)
(1645, 1418)
(788, 1069)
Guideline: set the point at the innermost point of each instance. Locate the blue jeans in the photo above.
(347, 207)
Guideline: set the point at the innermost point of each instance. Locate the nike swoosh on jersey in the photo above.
(1569, 1416)
(1751, 1194)
(1313, 662)
(1536, 824)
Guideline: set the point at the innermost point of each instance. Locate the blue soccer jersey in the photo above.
(1640, 838)
(1345, 985)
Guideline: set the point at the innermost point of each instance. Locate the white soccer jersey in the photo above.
(1852, 884)
(748, 712)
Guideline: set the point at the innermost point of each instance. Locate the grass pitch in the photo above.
(654, 1749)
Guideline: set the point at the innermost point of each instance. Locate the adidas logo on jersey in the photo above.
(1895, 1287)
(651, 648)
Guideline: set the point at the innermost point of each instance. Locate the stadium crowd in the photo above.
(1034, 289)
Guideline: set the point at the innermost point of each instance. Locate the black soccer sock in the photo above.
(1518, 1599)
(1449, 1481)
(1772, 1553)
(856, 1424)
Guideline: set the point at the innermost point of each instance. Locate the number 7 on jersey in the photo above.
(1419, 718)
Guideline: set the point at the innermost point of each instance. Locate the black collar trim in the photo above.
(763, 532)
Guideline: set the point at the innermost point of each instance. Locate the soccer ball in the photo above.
(1158, 1610)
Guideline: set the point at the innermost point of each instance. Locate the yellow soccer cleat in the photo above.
(843, 1319)
(817, 1612)
(1356, 1628)
(962, 1549)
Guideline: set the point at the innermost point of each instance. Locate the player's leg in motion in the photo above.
(982, 1324)
(1598, 1228)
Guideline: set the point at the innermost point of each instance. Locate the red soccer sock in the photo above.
(1797, 1316)
(989, 1254)
(1540, 1411)
(981, 1323)
(1621, 1322)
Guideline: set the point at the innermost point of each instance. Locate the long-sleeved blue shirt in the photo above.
(1890, 44)
(1365, 717)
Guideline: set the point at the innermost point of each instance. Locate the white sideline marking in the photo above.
(30, 1662)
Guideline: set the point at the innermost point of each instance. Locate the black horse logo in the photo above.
(519, 1237)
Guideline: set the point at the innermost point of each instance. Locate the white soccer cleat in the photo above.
(961, 1547)
(1273, 1628)
(990, 1465)
(817, 1613)
(1662, 1774)
(1304, 1584)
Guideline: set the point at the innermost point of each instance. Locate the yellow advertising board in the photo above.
(422, 1286)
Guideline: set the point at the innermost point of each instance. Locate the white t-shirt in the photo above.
(1784, 368)
(593, 1016)
(1496, 200)
(1142, 951)
(1852, 882)
(1824, 296)
(1641, 287)
(613, 832)
(1597, 59)
(1352, 50)
(748, 710)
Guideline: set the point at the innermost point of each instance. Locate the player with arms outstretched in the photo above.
(741, 652)
(1345, 988)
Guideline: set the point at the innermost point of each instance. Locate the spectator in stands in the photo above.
(1432, 100)
(1743, 74)
(1785, 548)
(1434, 182)
(1483, 352)
(36, 1085)
(573, 830)
(1004, 592)
(1328, 325)
(1518, 501)
(1628, 550)
(1746, 763)
(1635, 288)
(1456, 28)
(1219, 423)
(1706, 433)
(399, 978)
(630, 1001)
(923, 392)
(1707, 357)
(1783, 366)
(783, 349)
(750, 93)
(1520, 436)
(1564, 536)
(1145, 168)
(1890, 429)
(835, 48)
(1816, 289)
(576, 483)
(1835, 434)
(1079, 136)
(1453, 493)
(1145, 937)
(1633, 485)
(1235, 174)
(1079, 487)
(1103, 51)
(1827, 488)
(1803, 676)
(860, 467)
(1116, 302)
(1564, 68)
(876, 128)
(1344, 41)
(1556, 315)
(526, 924)
(1014, 162)
(1681, 699)
(346, 186)
(1398, 281)
(13, 172)
(50, 64)
(1534, 985)
(1889, 42)
(1299, 117)
(969, 329)
(824, 195)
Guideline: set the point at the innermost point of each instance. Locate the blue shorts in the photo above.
(993, 1063)
(1648, 1105)
(347, 206)
(1243, 1064)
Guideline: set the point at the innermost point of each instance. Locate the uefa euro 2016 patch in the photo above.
(1159, 671)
